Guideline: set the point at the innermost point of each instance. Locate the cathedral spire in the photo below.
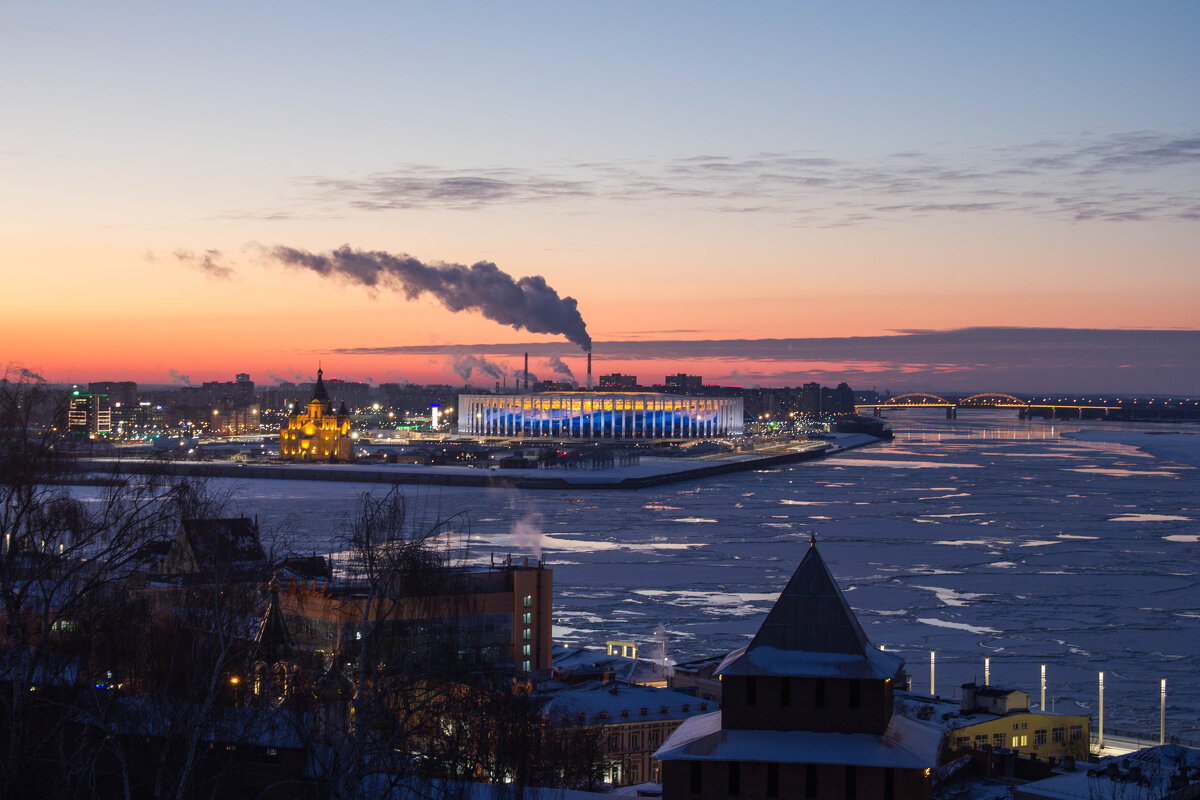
(319, 392)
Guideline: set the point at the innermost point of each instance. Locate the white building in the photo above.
(599, 415)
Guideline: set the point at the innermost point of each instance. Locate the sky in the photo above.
(906, 195)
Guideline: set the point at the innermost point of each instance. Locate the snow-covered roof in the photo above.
(593, 698)
(1112, 777)
(624, 669)
(907, 744)
(872, 664)
(811, 632)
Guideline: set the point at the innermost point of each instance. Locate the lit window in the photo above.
(526, 634)
(526, 666)
(527, 618)
(526, 649)
(528, 601)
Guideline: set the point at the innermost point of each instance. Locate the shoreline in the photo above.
(474, 477)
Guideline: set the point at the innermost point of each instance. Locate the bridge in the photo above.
(1064, 407)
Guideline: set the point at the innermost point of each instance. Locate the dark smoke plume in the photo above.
(465, 365)
(525, 304)
(30, 374)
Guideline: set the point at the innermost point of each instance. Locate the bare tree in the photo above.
(61, 558)
(110, 685)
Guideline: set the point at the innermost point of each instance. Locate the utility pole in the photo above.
(1162, 712)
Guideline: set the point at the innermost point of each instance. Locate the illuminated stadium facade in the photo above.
(599, 415)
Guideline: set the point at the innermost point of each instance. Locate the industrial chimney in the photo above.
(527, 373)
(589, 374)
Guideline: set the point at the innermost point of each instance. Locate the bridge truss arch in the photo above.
(916, 399)
(993, 399)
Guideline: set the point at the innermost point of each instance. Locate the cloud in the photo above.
(179, 377)
(422, 186)
(209, 262)
(1122, 177)
(982, 358)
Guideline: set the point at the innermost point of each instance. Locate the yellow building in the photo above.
(993, 718)
(316, 433)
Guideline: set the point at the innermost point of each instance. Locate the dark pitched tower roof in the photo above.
(811, 614)
(319, 392)
(273, 637)
(811, 631)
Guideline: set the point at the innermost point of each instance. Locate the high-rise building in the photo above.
(683, 383)
(123, 392)
(137, 420)
(810, 399)
(88, 414)
(618, 381)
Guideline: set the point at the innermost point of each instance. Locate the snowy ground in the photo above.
(1075, 545)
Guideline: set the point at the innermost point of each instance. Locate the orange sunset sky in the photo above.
(686, 172)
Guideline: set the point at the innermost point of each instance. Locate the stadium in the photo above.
(599, 415)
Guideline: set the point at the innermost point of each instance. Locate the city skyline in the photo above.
(903, 195)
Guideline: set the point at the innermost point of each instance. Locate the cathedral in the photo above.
(316, 433)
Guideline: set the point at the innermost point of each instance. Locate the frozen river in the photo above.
(1075, 546)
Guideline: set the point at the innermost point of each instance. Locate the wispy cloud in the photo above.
(210, 262)
(420, 185)
(1128, 177)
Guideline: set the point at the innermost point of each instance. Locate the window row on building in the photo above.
(586, 415)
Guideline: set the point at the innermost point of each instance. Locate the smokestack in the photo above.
(589, 377)
(527, 373)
